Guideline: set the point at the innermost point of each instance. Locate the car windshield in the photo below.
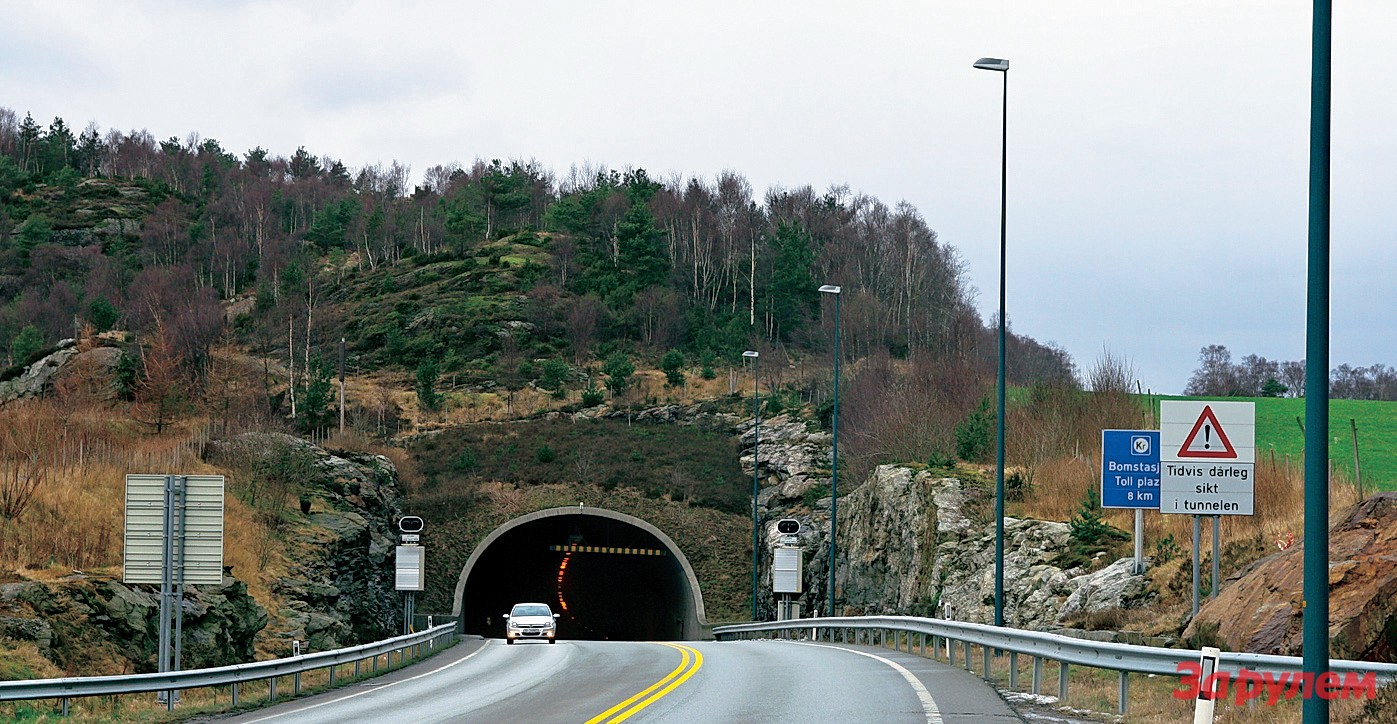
(531, 610)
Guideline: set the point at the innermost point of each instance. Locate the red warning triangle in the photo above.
(1212, 444)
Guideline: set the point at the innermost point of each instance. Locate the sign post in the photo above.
(1130, 478)
(173, 536)
(1208, 467)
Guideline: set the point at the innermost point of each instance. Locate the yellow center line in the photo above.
(671, 681)
(698, 663)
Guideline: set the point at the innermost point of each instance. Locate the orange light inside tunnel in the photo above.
(562, 571)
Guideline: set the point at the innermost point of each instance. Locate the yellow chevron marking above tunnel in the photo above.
(608, 549)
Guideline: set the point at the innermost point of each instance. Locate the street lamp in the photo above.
(834, 461)
(756, 424)
(1000, 66)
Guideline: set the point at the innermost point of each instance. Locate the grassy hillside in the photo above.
(1278, 434)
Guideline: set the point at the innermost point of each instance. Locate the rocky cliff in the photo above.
(88, 625)
(915, 543)
(1260, 609)
(339, 589)
(911, 542)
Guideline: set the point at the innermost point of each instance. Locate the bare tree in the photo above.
(1215, 375)
(162, 393)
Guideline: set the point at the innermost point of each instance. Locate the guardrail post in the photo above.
(356, 667)
(1062, 682)
(65, 706)
(235, 694)
(1013, 671)
(1124, 692)
(271, 689)
(1038, 675)
(375, 666)
(296, 684)
(332, 675)
(967, 657)
(844, 634)
(924, 645)
(985, 651)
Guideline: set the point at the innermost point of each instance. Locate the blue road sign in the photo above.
(1130, 469)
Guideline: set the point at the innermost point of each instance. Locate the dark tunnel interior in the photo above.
(624, 596)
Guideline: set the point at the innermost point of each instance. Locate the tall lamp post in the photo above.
(1315, 626)
(1000, 66)
(834, 460)
(756, 487)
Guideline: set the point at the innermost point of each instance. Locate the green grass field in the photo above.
(1278, 434)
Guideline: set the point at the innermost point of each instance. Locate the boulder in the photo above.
(70, 364)
(1259, 609)
(37, 376)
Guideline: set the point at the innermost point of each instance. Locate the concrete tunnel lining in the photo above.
(694, 619)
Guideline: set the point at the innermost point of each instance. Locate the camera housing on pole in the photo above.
(788, 569)
(410, 566)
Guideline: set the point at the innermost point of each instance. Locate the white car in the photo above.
(531, 621)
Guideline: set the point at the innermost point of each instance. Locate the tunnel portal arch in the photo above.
(626, 579)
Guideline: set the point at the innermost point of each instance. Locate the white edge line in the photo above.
(338, 699)
(933, 714)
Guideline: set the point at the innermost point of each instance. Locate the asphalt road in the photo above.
(681, 682)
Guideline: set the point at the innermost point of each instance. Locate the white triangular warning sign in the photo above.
(1207, 439)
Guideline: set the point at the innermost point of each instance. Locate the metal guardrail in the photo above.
(1123, 658)
(235, 675)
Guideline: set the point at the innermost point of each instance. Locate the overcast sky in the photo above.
(1158, 152)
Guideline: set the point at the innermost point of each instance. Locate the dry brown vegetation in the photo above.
(74, 517)
(1060, 486)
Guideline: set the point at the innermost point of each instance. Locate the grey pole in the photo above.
(1139, 541)
(1315, 632)
(181, 517)
(834, 463)
(834, 429)
(756, 487)
(1000, 66)
(167, 585)
(1217, 554)
(1197, 541)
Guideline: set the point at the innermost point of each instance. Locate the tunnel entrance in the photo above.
(608, 575)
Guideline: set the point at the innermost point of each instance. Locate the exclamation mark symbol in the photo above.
(1207, 436)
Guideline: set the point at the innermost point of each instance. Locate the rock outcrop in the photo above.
(340, 588)
(82, 620)
(915, 543)
(88, 366)
(1259, 610)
